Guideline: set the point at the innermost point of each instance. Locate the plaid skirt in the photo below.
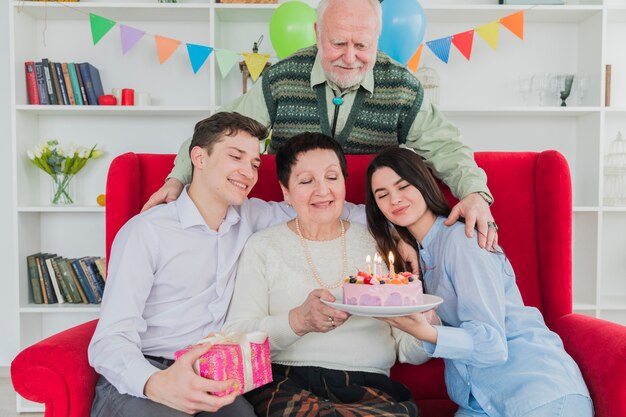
(307, 391)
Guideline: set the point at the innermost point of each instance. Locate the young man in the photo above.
(171, 277)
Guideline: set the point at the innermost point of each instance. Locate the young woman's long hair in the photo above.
(410, 167)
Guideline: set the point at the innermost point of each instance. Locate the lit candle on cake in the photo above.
(379, 260)
(391, 259)
(368, 260)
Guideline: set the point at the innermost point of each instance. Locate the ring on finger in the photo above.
(492, 225)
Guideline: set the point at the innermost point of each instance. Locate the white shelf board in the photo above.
(488, 13)
(128, 11)
(61, 308)
(521, 111)
(614, 209)
(616, 110)
(116, 110)
(60, 209)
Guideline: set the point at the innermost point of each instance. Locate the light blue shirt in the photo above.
(170, 281)
(500, 357)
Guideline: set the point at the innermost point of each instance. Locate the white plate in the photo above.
(430, 301)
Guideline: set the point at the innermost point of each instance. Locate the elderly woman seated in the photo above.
(323, 358)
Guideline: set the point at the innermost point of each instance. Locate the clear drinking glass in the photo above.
(525, 87)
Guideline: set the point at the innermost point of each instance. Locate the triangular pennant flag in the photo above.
(255, 63)
(99, 27)
(225, 60)
(463, 42)
(515, 23)
(198, 54)
(441, 48)
(165, 47)
(414, 62)
(489, 33)
(130, 36)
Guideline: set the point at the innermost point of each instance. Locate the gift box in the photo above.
(244, 357)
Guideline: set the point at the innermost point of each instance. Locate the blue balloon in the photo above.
(404, 23)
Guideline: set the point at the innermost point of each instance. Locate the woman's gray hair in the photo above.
(323, 5)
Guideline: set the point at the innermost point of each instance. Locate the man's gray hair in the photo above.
(323, 5)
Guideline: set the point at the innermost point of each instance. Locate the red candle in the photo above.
(128, 97)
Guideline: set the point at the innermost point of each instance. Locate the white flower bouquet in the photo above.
(61, 164)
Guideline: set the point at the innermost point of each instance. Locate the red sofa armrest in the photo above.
(599, 349)
(56, 372)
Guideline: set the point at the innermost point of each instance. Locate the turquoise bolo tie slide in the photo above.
(337, 101)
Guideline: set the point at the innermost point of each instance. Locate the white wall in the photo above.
(8, 302)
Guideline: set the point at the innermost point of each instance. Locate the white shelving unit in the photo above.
(480, 96)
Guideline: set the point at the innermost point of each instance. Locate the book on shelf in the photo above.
(91, 279)
(59, 70)
(31, 82)
(41, 84)
(55, 83)
(53, 278)
(33, 278)
(81, 85)
(76, 291)
(92, 81)
(78, 97)
(46, 72)
(68, 84)
(65, 289)
(101, 264)
(82, 278)
(48, 290)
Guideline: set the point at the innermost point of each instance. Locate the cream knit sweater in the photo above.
(274, 277)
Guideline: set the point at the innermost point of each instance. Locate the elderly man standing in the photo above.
(345, 88)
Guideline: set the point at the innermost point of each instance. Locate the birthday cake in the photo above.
(401, 289)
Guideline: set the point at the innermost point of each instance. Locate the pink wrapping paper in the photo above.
(243, 357)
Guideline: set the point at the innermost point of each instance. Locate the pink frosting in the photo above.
(383, 295)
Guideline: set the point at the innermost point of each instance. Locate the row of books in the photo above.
(54, 279)
(62, 83)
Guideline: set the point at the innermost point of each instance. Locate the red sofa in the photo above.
(533, 209)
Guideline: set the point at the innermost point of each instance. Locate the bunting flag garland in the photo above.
(100, 26)
(489, 33)
(414, 62)
(129, 36)
(441, 48)
(225, 60)
(198, 55)
(514, 23)
(463, 42)
(165, 47)
(255, 63)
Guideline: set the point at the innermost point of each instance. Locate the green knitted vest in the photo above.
(374, 122)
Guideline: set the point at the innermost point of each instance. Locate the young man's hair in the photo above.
(213, 129)
(287, 155)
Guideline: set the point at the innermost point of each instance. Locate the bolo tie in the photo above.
(337, 101)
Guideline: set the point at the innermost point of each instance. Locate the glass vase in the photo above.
(63, 193)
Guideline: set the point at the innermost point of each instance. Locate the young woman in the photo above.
(501, 359)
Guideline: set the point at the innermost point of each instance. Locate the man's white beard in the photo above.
(347, 81)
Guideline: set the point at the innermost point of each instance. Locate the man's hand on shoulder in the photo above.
(475, 210)
(179, 387)
(169, 192)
